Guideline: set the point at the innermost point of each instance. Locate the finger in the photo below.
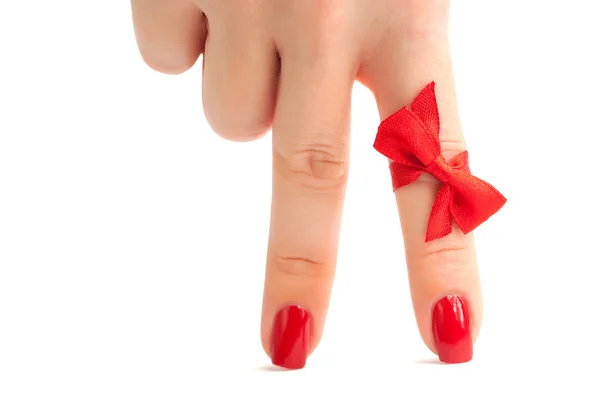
(443, 273)
(240, 74)
(170, 33)
(310, 162)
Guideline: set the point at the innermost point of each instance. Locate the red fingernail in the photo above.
(452, 330)
(290, 337)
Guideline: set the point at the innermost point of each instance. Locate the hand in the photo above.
(290, 65)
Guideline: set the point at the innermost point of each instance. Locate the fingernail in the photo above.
(290, 337)
(452, 330)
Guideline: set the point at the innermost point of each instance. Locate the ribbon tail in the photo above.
(440, 219)
(474, 202)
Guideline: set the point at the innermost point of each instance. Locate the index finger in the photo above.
(310, 165)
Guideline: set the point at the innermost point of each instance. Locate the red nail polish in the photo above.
(452, 330)
(290, 337)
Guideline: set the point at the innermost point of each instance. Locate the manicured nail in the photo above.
(290, 337)
(452, 330)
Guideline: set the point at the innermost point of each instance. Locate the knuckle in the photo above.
(333, 16)
(317, 166)
(448, 264)
(448, 257)
(300, 267)
(426, 20)
(330, 22)
(321, 12)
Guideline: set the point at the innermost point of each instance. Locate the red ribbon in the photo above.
(410, 138)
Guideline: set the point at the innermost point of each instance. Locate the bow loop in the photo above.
(403, 138)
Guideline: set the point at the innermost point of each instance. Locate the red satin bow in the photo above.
(410, 138)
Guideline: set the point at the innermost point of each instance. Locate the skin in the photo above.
(289, 66)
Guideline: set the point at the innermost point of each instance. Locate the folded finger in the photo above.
(240, 74)
(170, 33)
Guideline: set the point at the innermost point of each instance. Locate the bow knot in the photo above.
(410, 139)
(441, 170)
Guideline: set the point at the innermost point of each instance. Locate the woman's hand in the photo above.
(290, 65)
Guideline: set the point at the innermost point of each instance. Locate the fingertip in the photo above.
(451, 329)
(290, 337)
(236, 127)
(169, 65)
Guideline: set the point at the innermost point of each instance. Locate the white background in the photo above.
(132, 238)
